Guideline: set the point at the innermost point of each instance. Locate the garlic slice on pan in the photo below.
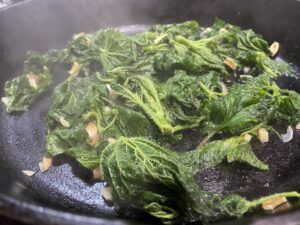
(288, 136)
(106, 193)
(263, 135)
(272, 204)
(28, 173)
(274, 48)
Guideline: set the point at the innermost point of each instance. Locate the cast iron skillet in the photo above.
(66, 194)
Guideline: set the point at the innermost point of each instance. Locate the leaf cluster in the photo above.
(130, 99)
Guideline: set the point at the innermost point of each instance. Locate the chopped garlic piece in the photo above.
(263, 135)
(222, 30)
(64, 122)
(230, 62)
(76, 36)
(107, 109)
(111, 140)
(47, 163)
(88, 41)
(33, 80)
(246, 69)
(95, 140)
(92, 131)
(41, 166)
(111, 92)
(28, 173)
(106, 193)
(208, 29)
(4, 100)
(75, 69)
(274, 48)
(288, 136)
(246, 76)
(272, 204)
(247, 138)
(97, 174)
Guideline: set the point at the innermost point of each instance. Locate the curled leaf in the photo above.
(230, 62)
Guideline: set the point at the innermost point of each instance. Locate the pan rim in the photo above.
(32, 213)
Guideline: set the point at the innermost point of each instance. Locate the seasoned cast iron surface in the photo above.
(40, 25)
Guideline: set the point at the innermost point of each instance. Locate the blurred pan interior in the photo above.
(66, 194)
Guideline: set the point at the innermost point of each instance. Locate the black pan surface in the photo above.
(66, 194)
